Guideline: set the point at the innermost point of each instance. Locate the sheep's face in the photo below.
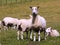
(34, 10)
(48, 30)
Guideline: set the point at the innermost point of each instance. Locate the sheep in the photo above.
(23, 25)
(9, 22)
(52, 32)
(0, 25)
(38, 23)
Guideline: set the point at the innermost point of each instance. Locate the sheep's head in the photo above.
(34, 10)
(49, 29)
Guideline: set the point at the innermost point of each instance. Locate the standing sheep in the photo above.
(23, 25)
(38, 23)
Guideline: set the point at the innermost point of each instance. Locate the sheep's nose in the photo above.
(34, 13)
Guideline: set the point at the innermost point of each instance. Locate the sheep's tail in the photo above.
(3, 23)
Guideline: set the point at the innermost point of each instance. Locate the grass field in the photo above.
(50, 9)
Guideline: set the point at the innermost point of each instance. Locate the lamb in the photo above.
(52, 32)
(23, 25)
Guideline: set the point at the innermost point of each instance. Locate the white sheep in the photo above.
(9, 22)
(52, 32)
(23, 25)
(38, 23)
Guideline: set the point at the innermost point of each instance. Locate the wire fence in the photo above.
(5, 2)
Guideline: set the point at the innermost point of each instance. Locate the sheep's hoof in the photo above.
(31, 39)
(22, 39)
(39, 40)
(17, 38)
(44, 38)
(34, 40)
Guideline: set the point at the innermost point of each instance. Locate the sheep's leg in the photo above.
(31, 34)
(17, 35)
(5, 28)
(34, 36)
(39, 35)
(26, 34)
(44, 34)
(47, 34)
(0, 30)
(22, 35)
(13, 28)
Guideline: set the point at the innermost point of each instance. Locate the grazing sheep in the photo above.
(9, 22)
(23, 25)
(52, 32)
(38, 23)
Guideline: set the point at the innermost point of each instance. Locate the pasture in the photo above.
(49, 9)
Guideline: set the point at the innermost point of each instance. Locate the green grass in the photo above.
(49, 9)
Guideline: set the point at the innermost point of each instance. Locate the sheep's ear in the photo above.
(31, 7)
(51, 29)
(37, 6)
